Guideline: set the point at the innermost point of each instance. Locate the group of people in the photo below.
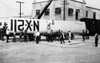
(22, 36)
(60, 34)
(62, 37)
(86, 35)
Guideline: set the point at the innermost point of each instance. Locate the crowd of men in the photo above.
(59, 35)
(23, 37)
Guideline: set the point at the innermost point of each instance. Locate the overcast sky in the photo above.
(11, 8)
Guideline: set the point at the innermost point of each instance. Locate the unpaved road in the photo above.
(75, 52)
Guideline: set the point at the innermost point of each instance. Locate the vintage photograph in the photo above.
(49, 31)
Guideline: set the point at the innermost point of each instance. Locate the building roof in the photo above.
(91, 3)
(80, 1)
(94, 4)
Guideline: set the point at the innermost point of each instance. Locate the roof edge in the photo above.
(56, 0)
(93, 8)
(79, 2)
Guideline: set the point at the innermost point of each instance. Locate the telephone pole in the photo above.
(20, 7)
(64, 8)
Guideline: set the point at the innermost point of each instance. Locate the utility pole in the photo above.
(64, 8)
(20, 7)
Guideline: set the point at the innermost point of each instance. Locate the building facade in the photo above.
(68, 10)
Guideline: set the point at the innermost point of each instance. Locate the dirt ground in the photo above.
(77, 51)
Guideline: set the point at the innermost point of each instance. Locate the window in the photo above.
(47, 12)
(77, 14)
(70, 12)
(37, 12)
(94, 15)
(58, 10)
(0, 23)
(86, 13)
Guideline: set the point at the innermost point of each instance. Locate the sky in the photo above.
(10, 8)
